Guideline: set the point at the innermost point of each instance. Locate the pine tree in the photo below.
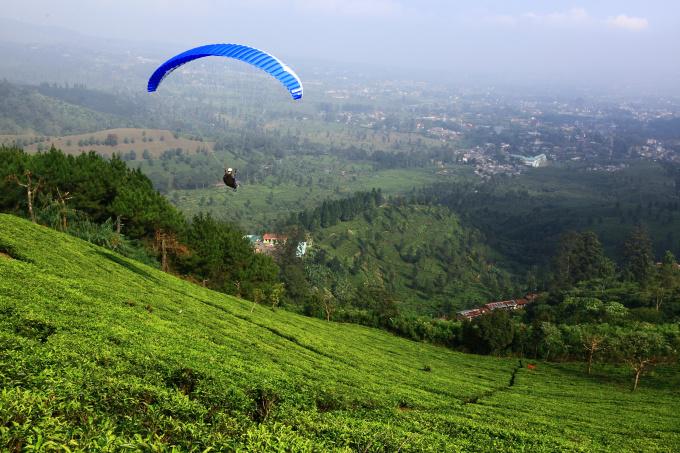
(667, 280)
(638, 256)
(580, 257)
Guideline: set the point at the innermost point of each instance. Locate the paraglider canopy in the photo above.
(255, 57)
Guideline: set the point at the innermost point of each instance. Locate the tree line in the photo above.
(333, 211)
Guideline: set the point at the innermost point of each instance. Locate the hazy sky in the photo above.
(559, 40)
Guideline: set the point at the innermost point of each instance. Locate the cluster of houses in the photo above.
(532, 161)
(512, 304)
(268, 242)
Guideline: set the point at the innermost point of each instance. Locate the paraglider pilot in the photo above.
(229, 178)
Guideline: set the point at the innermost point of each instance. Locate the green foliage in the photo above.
(488, 334)
(421, 254)
(105, 235)
(524, 217)
(585, 289)
(666, 284)
(580, 257)
(638, 256)
(100, 188)
(643, 348)
(333, 211)
(436, 331)
(224, 259)
(85, 367)
(575, 309)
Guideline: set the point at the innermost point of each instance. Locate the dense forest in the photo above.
(524, 217)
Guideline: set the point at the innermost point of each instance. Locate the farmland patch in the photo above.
(124, 142)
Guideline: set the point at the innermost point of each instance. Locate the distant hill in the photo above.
(422, 253)
(24, 110)
(99, 352)
(100, 101)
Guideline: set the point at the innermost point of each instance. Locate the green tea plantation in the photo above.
(101, 353)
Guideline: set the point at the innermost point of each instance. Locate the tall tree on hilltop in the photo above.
(580, 257)
(593, 340)
(13, 161)
(639, 259)
(292, 269)
(642, 349)
(64, 211)
(491, 333)
(32, 187)
(666, 280)
(224, 259)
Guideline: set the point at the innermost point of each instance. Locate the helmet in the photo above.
(229, 170)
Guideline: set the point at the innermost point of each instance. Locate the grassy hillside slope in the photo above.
(98, 352)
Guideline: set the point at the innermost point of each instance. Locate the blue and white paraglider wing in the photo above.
(258, 58)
